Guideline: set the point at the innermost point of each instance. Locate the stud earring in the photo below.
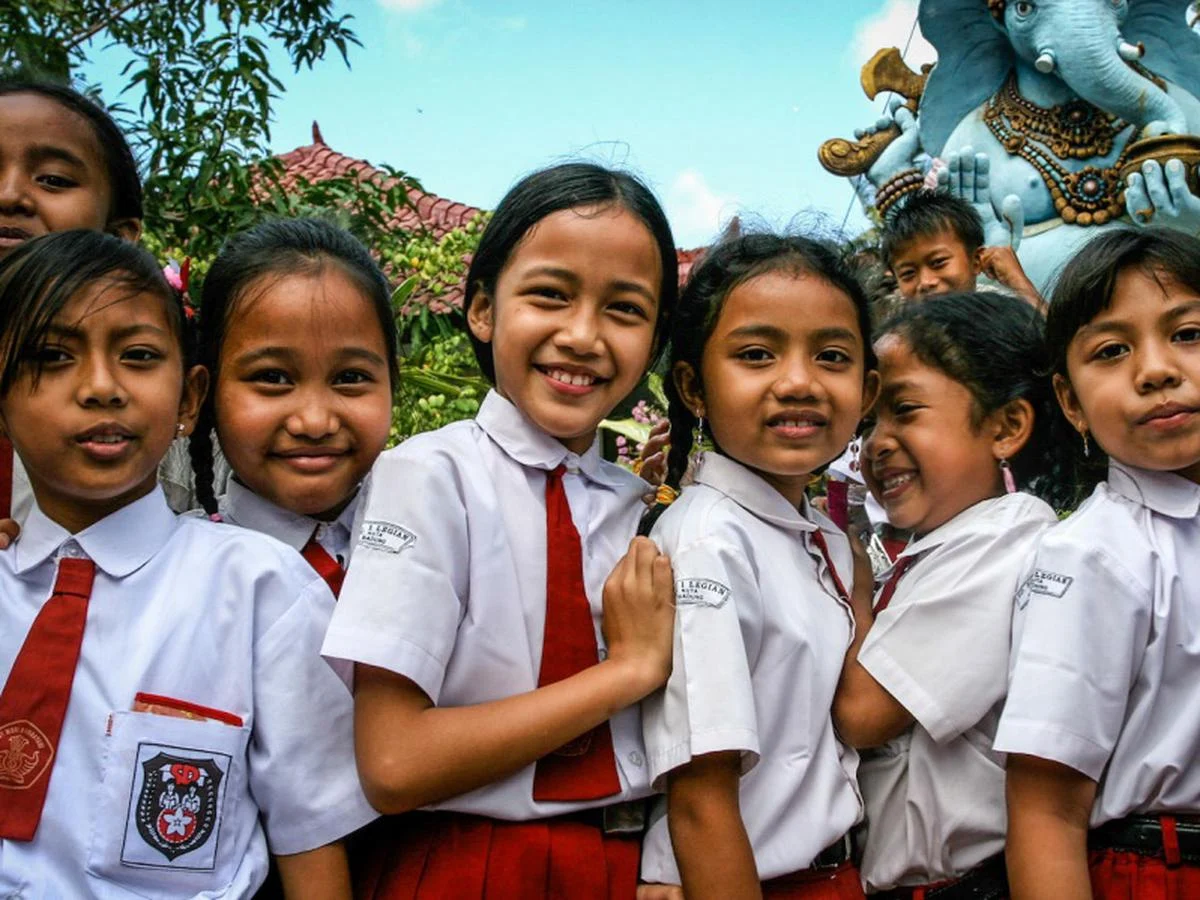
(180, 428)
(1006, 472)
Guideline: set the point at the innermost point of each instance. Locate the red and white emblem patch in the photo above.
(25, 754)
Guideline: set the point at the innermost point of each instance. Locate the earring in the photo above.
(180, 428)
(1006, 472)
(698, 440)
(1087, 450)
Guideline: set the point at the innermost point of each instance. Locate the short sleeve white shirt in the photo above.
(185, 615)
(241, 506)
(760, 636)
(1106, 659)
(447, 585)
(935, 794)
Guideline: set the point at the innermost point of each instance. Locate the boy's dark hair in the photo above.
(122, 168)
(40, 277)
(993, 345)
(566, 186)
(276, 249)
(925, 214)
(725, 266)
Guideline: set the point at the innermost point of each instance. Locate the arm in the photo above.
(1049, 806)
(714, 854)
(321, 874)
(411, 753)
(1002, 266)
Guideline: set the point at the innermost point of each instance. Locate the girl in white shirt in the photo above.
(500, 655)
(770, 362)
(1102, 724)
(165, 716)
(958, 446)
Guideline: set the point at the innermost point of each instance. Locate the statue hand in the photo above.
(1158, 196)
(967, 174)
(904, 151)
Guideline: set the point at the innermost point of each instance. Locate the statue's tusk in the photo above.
(1131, 52)
(1046, 62)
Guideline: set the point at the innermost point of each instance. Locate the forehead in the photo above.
(943, 240)
(607, 240)
(325, 307)
(898, 363)
(110, 303)
(793, 302)
(32, 120)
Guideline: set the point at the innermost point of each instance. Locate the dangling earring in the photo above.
(180, 428)
(1006, 472)
(1087, 450)
(698, 441)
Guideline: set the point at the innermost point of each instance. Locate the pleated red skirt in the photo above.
(1130, 876)
(452, 856)
(841, 883)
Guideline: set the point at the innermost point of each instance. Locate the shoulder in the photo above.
(241, 557)
(702, 515)
(1102, 538)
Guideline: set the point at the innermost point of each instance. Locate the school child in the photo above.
(485, 693)
(1102, 723)
(958, 444)
(296, 327)
(770, 361)
(165, 715)
(934, 244)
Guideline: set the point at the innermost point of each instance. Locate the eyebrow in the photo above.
(891, 389)
(573, 279)
(1117, 327)
(41, 152)
(773, 332)
(287, 353)
(119, 334)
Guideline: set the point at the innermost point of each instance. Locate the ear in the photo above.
(977, 261)
(687, 382)
(195, 389)
(481, 316)
(870, 392)
(1069, 403)
(126, 229)
(1014, 425)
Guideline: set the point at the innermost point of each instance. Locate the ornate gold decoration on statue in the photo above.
(885, 71)
(1183, 147)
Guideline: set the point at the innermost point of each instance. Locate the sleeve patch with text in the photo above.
(385, 536)
(1050, 584)
(701, 592)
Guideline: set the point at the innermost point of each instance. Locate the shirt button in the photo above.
(603, 654)
(637, 759)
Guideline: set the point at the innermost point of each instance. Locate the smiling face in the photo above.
(938, 264)
(303, 402)
(1134, 375)
(92, 428)
(53, 175)
(571, 325)
(781, 379)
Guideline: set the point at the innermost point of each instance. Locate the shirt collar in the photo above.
(245, 508)
(119, 544)
(1163, 492)
(530, 446)
(752, 492)
(944, 532)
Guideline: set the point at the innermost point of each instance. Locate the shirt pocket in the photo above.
(172, 816)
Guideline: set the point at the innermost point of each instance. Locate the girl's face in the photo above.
(111, 396)
(1134, 375)
(52, 173)
(781, 378)
(572, 322)
(303, 401)
(925, 458)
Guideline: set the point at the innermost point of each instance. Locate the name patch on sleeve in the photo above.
(1050, 584)
(385, 536)
(701, 592)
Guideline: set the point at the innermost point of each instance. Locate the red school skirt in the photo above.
(1117, 875)
(454, 856)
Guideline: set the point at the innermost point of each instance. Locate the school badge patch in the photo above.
(176, 808)
(25, 754)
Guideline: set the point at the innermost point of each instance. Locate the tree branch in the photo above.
(84, 36)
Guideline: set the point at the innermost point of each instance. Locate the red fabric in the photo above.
(841, 883)
(438, 856)
(898, 570)
(324, 564)
(837, 503)
(35, 697)
(6, 477)
(585, 768)
(819, 539)
(1128, 876)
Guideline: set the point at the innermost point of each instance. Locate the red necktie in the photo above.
(898, 570)
(585, 768)
(324, 564)
(34, 701)
(6, 477)
(819, 539)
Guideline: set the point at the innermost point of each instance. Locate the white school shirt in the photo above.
(183, 611)
(447, 585)
(935, 794)
(760, 637)
(1105, 672)
(241, 506)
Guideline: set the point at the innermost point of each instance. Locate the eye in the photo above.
(1189, 334)
(141, 355)
(1109, 352)
(48, 355)
(353, 377)
(272, 377)
(939, 262)
(905, 408)
(548, 291)
(56, 181)
(629, 308)
(835, 356)
(754, 354)
(1023, 8)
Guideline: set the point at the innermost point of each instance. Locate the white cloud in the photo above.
(890, 27)
(696, 211)
(408, 5)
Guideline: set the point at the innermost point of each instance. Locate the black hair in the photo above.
(566, 186)
(40, 277)
(123, 177)
(1085, 288)
(993, 345)
(278, 248)
(725, 266)
(925, 214)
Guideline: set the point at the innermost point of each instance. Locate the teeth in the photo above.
(896, 480)
(573, 378)
(107, 438)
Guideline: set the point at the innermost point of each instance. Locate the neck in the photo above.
(1044, 90)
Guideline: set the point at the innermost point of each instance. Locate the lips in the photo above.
(1168, 414)
(893, 482)
(570, 379)
(797, 423)
(311, 460)
(106, 441)
(11, 236)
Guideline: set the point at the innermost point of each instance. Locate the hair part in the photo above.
(123, 178)
(275, 250)
(575, 185)
(724, 267)
(925, 215)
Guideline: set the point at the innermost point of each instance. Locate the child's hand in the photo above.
(659, 892)
(1002, 266)
(9, 531)
(652, 461)
(639, 613)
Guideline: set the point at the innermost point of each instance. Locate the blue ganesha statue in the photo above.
(1056, 118)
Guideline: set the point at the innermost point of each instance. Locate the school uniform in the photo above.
(940, 646)
(1105, 670)
(448, 587)
(201, 726)
(761, 632)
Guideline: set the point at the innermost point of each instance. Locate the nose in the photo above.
(1157, 368)
(14, 197)
(100, 382)
(928, 282)
(312, 417)
(580, 332)
(796, 380)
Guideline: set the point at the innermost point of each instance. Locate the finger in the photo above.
(860, 133)
(5, 540)
(893, 105)
(1176, 174)
(663, 580)
(1137, 201)
(1156, 184)
(983, 165)
(1012, 210)
(943, 178)
(883, 123)
(905, 119)
(968, 174)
